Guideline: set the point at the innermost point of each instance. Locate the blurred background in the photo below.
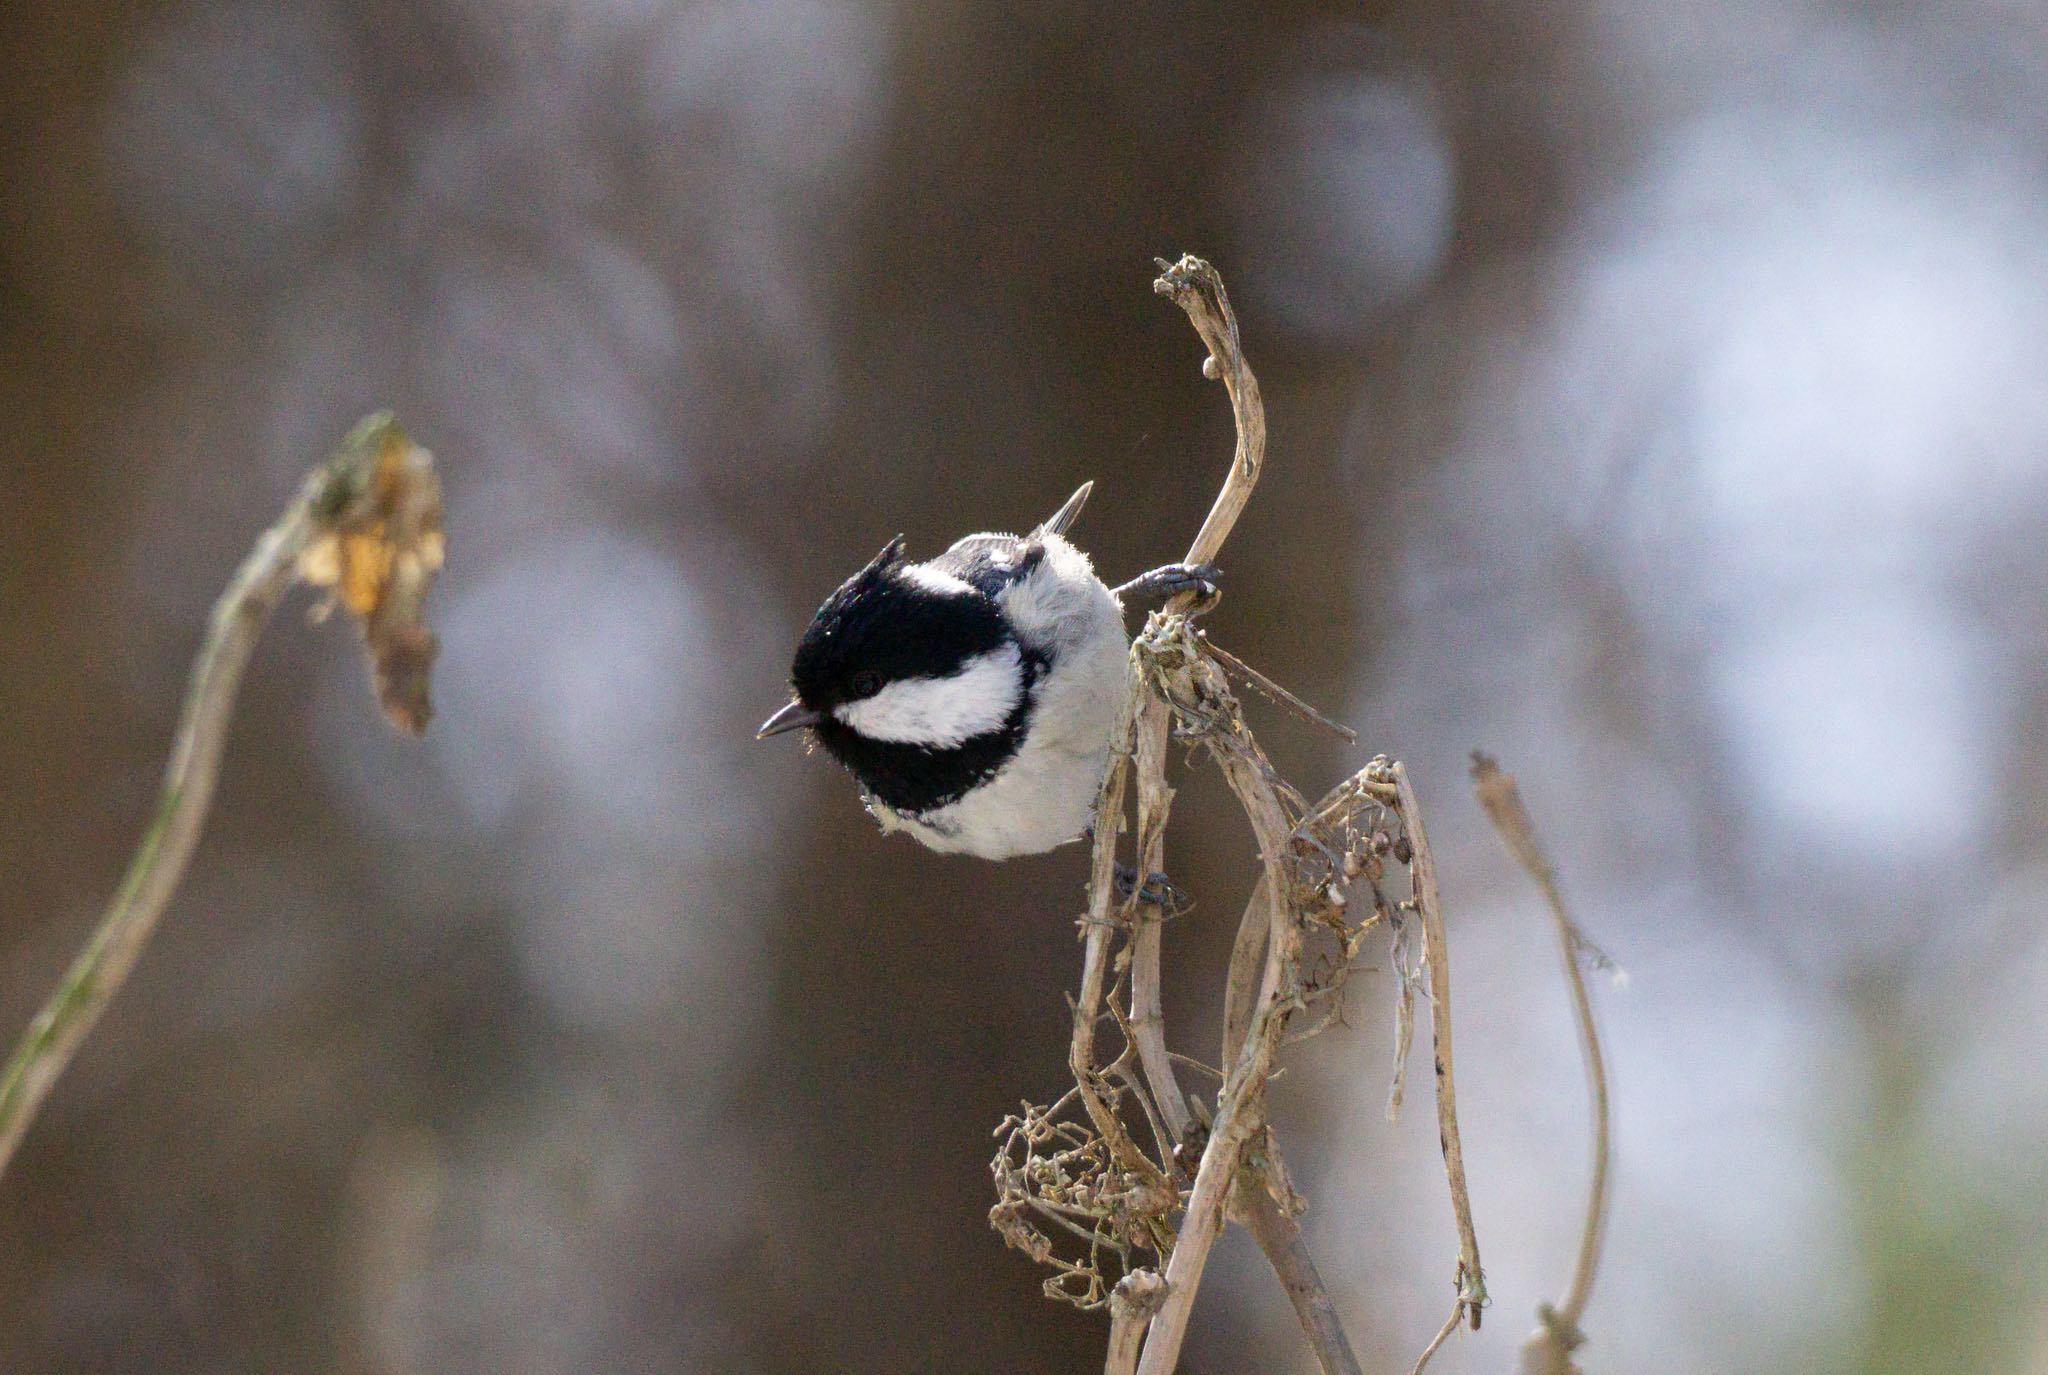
(1656, 401)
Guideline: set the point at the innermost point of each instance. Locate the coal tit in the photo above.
(974, 695)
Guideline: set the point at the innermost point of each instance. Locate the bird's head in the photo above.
(910, 678)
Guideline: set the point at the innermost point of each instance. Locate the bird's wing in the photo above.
(990, 563)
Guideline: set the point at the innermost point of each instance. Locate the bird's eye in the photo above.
(865, 683)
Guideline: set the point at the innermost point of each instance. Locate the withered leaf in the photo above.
(380, 548)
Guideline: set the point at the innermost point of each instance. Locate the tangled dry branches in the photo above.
(1122, 1185)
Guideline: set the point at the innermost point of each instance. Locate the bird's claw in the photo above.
(1174, 579)
(1157, 890)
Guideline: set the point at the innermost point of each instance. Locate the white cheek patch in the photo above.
(943, 712)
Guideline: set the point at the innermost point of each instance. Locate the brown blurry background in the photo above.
(1656, 399)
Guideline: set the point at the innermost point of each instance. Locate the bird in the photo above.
(973, 696)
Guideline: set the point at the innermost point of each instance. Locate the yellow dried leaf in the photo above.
(380, 554)
(366, 560)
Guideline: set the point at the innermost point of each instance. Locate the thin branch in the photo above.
(1273, 691)
(1148, 1017)
(1132, 1073)
(1443, 1334)
(1240, 1107)
(1131, 1305)
(1279, 1236)
(1436, 952)
(366, 522)
(1177, 679)
(1247, 962)
(1101, 926)
(1197, 288)
(1551, 1346)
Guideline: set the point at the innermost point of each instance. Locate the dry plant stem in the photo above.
(1166, 1301)
(1131, 1305)
(1279, 1236)
(332, 497)
(1176, 676)
(1148, 1018)
(1274, 692)
(1247, 962)
(1235, 1119)
(1436, 950)
(1197, 288)
(1443, 1334)
(1102, 925)
(1240, 1107)
(1549, 1349)
(159, 861)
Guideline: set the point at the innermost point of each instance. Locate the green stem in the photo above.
(158, 865)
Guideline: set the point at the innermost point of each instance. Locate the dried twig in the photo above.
(1274, 692)
(1197, 288)
(1060, 1180)
(1279, 1236)
(1443, 1334)
(1148, 1018)
(1436, 951)
(1548, 1350)
(367, 523)
(1240, 1106)
(1101, 926)
(1131, 1306)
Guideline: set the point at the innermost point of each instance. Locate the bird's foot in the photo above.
(1174, 579)
(1157, 890)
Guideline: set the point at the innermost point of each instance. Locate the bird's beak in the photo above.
(795, 716)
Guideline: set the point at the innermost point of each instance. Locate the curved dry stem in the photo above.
(1270, 945)
(1240, 1107)
(1197, 288)
(1443, 1334)
(1436, 951)
(1148, 1017)
(159, 861)
(1279, 1236)
(367, 522)
(1550, 1348)
(1102, 923)
(1276, 1232)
